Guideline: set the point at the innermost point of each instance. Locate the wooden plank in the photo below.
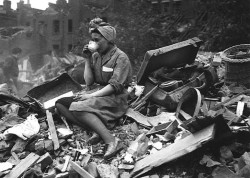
(163, 128)
(52, 130)
(162, 118)
(136, 106)
(85, 160)
(65, 166)
(80, 170)
(15, 157)
(231, 100)
(174, 151)
(23, 166)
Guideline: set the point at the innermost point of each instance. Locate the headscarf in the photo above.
(106, 30)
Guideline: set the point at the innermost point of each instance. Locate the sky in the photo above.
(38, 4)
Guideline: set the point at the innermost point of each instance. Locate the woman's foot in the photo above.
(112, 148)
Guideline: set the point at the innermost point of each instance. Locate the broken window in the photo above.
(27, 24)
(55, 47)
(56, 26)
(177, 5)
(70, 25)
(70, 47)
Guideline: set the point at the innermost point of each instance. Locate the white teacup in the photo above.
(92, 46)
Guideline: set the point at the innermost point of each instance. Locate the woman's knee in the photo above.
(58, 107)
(84, 115)
(66, 102)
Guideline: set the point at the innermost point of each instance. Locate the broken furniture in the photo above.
(237, 60)
(173, 56)
(61, 86)
(189, 104)
(188, 111)
(166, 76)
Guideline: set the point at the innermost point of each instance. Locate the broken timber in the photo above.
(52, 130)
(23, 166)
(80, 170)
(174, 151)
(162, 118)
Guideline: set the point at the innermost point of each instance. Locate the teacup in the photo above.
(92, 46)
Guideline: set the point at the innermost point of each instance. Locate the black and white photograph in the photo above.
(124, 88)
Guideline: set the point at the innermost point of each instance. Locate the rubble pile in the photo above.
(183, 120)
(8, 32)
(55, 65)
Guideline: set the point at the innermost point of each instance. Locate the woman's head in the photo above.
(103, 34)
(104, 37)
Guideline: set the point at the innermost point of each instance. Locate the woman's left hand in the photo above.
(83, 97)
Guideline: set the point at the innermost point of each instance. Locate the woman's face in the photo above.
(103, 44)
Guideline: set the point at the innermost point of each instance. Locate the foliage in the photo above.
(142, 26)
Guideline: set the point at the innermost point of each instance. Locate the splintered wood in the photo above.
(52, 130)
(80, 170)
(174, 151)
(23, 166)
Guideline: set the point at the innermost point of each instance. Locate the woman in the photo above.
(99, 108)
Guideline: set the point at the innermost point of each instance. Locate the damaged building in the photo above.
(8, 17)
(54, 30)
(59, 23)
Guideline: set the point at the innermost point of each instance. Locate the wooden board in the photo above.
(23, 166)
(163, 128)
(66, 163)
(174, 151)
(164, 117)
(80, 170)
(52, 130)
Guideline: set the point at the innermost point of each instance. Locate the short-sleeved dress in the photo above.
(113, 68)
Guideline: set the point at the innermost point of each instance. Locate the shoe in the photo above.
(112, 149)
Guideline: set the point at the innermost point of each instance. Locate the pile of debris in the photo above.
(179, 104)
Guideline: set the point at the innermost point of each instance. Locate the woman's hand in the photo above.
(82, 97)
(86, 52)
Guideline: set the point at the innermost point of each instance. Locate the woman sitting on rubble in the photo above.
(99, 108)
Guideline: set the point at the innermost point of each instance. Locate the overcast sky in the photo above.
(38, 4)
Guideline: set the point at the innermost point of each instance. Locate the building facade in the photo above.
(56, 28)
(8, 17)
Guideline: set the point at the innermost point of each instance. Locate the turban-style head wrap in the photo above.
(108, 32)
(105, 29)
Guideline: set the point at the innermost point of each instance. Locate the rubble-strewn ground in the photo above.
(214, 141)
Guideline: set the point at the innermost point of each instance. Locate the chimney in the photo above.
(20, 4)
(28, 3)
(7, 5)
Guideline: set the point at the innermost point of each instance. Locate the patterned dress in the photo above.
(113, 68)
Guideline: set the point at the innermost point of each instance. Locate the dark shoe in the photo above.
(112, 149)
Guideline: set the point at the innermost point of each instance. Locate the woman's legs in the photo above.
(64, 111)
(91, 121)
(94, 123)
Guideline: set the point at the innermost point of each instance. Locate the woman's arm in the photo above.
(88, 74)
(107, 90)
